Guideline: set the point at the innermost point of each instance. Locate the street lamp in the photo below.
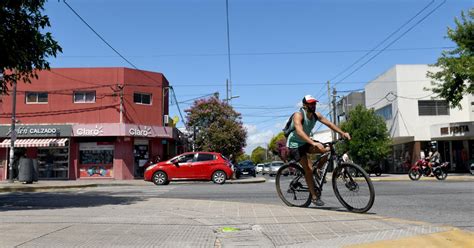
(230, 98)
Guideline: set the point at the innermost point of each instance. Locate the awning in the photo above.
(36, 142)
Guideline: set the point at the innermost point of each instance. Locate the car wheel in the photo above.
(219, 177)
(160, 178)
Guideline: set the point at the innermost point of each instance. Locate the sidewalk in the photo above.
(139, 222)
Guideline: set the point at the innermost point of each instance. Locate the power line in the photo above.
(391, 43)
(380, 43)
(262, 53)
(177, 105)
(383, 41)
(125, 59)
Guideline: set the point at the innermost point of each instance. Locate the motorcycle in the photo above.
(422, 167)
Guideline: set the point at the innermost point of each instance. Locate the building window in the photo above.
(84, 97)
(36, 97)
(433, 107)
(142, 98)
(385, 112)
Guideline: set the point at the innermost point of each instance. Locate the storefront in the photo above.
(47, 145)
(90, 151)
(455, 142)
(118, 151)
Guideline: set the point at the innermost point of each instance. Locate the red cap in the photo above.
(309, 99)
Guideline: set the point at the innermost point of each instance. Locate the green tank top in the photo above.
(294, 141)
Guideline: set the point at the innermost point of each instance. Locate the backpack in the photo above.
(288, 129)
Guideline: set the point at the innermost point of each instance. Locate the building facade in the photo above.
(82, 123)
(348, 103)
(417, 120)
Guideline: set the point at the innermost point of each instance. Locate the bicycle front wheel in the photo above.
(353, 187)
(291, 186)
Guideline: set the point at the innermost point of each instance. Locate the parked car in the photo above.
(211, 166)
(274, 166)
(259, 168)
(266, 169)
(245, 168)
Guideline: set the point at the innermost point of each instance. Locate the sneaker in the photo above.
(318, 202)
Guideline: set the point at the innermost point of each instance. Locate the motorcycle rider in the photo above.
(435, 157)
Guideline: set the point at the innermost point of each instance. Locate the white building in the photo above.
(416, 119)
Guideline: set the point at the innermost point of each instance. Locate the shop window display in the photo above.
(53, 163)
(96, 160)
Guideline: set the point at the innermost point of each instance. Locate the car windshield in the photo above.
(245, 164)
(277, 164)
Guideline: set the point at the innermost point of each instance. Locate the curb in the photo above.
(44, 188)
(245, 181)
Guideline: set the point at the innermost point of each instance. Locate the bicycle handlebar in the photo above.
(331, 143)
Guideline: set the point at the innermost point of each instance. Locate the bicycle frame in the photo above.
(318, 183)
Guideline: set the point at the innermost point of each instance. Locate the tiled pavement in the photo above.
(198, 223)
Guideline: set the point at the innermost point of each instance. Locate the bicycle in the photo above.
(351, 184)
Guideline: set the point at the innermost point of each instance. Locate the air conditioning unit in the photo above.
(166, 119)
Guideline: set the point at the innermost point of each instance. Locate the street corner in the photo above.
(247, 180)
(451, 238)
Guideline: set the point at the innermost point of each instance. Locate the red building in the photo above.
(80, 123)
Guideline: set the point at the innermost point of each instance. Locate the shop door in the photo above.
(141, 156)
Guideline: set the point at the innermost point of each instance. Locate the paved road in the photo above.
(437, 202)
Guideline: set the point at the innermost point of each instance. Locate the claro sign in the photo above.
(142, 132)
(112, 129)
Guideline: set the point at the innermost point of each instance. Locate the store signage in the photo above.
(454, 130)
(459, 129)
(137, 131)
(37, 131)
(83, 131)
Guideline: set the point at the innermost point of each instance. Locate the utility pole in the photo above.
(226, 89)
(120, 87)
(333, 134)
(12, 135)
(334, 114)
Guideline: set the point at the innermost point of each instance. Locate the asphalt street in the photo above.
(437, 202)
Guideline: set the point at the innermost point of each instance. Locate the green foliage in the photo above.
(457, 65)
(217, 126)
(258, 155)
(272, 146)
(243, 157)
(23, 48)
(370, 139)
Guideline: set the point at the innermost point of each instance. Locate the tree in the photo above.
(370, 140)
(243, 157)
(258, 155)
(272, 145)
(457, 65)
(278, 147)
(217, 127)
(23, 48)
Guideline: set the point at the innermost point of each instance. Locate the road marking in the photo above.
(453, 238)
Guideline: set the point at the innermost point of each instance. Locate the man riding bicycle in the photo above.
(300, 143)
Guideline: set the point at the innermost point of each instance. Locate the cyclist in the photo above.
(300, 143)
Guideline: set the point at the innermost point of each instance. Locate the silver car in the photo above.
(274, 167)
(259, 168)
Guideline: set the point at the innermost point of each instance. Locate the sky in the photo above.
(280, 50)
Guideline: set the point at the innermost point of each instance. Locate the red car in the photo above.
(191, 166)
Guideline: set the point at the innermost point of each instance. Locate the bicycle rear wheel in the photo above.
(291, 186)
(353, 187)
